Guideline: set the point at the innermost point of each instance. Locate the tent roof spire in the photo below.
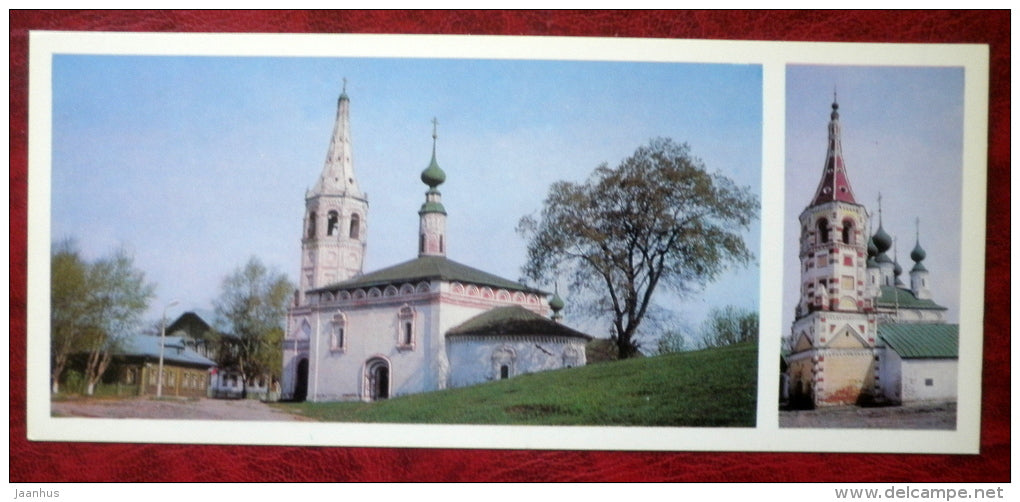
(835, 184)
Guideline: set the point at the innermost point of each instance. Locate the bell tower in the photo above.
(834, 331)
(334, 230)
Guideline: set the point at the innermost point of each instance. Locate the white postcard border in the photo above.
(772, 56)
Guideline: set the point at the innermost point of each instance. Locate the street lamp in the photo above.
(162, 346)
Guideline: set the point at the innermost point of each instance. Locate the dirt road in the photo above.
(940, 416)
(197, 409)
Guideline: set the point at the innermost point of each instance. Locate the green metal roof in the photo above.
(921, 341)
(513, 320)
(428, 268)
(432, 207)
(893, 297)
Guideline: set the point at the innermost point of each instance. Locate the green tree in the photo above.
(69, 311)
(253, 307)
(93, 307)
(728, 325)
(659, 218)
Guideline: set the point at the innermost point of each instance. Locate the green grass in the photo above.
(707, 388)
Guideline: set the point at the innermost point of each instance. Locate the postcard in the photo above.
(506, 242)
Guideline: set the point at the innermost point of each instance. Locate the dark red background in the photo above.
(57, 462)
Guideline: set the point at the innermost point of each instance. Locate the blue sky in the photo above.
(195, 164)
(902, 137)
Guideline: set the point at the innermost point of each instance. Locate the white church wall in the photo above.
(929, 380)
(370, 331)
(914, 380)
(475, 360)
(890, 375)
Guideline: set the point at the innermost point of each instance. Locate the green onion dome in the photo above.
(918, 253)
(556, 303)
(882, 240)
(433, 176)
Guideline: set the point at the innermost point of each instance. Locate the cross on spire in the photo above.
(879, 208)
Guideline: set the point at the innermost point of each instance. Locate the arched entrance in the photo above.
(377, 379)
(301, 382)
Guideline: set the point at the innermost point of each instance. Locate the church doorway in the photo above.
(301, 382)
(377, 382)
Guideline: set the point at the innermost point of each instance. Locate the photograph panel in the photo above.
(872, 293)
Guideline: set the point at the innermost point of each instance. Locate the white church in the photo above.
(861, 334)
(426, 324)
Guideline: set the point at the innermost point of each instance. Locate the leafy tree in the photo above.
(659, 218)
(69, 310)
(727, 326)
(93, 306)
(253, 306)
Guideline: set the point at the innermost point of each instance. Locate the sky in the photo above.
(195, 164)
(902, 136)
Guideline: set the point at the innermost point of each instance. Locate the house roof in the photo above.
(512, 320)
(196, 323)
(921, 341)
(427, 268)
(893, 297)
(175, 350)
(189, 319)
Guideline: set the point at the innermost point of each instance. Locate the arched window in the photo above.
(332, 223)
(355, 226)
(405, 328)
(848, 232)
(338, 335)
(503, 363)
(311, 224)
(823, 230)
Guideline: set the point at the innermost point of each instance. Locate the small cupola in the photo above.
(918, 254)
(556, 304)
(433, 175)
(432, 215)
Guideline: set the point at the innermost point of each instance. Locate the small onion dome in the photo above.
(872, 249)
(897, 269)
(882, 240)
(433, 176)
(918, 253)
(835, 111)
(556, 303)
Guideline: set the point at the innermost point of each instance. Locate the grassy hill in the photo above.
(714, 387)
